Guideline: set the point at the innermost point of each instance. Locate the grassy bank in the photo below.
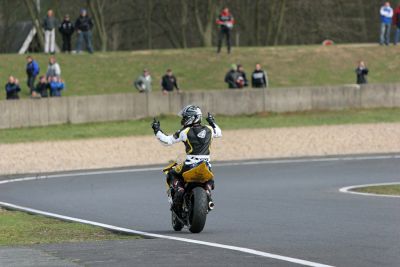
(380, 190)
(202, 68)
(19, 228)
(171, 123)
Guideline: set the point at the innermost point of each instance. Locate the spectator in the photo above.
(53, 69)
(386, 21)
(66, 29)
(362, 72)
(241, 80)
(49, 25)
(259, 78)
(231, 77)
(83, 26)
(32, 70)
(169, 82)
(41, 88)
(225, 22)
(396, 23)
(12, 88)
(56, 85)
(143, 82)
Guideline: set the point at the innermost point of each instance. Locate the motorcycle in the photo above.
(196, 202)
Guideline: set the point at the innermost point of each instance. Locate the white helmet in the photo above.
(190, 114)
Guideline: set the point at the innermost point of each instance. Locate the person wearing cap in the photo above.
(143, 82)
(66, 29)
(49, 25)
(83, 27)
(231, 77)
(169, 82)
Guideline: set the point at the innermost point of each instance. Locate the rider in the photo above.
(197, 139)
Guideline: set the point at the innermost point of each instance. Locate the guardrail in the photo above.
(118, 107)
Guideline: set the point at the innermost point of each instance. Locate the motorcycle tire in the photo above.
(176, 224)
(198, 214)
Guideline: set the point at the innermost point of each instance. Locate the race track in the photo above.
(289, 207)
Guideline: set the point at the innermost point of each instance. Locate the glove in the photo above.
(210, 119)
(155, 125)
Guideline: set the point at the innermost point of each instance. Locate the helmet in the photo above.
(190, 115)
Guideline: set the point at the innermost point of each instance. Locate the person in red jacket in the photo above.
(396, 23)
(225, 21)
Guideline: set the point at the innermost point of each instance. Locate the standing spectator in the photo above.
(396, 23)
(143, 82)
(231, 77)
(49, 25)
(259, 78)
(386, 21)
(225, 22)
(83, 26)
(32, 70)
(362, 72)
(169, 82)
(241, 80)
(66, 29)
(53, 69)
(56, 85)
(12, 88)
(41, 88)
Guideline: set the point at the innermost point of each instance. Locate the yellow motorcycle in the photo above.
(196, 202)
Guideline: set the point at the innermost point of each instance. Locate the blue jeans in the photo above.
(385, 34)
(84, 37)
(397, 36)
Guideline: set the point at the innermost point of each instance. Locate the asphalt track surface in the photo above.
(289, 207)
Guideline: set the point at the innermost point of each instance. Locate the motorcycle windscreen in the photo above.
(199, 174)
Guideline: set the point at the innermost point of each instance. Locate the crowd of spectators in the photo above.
(236, 77)
(51, 84)
(83, 27)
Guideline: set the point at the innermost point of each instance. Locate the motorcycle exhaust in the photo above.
(211, 205)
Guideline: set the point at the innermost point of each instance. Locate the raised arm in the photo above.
(167, 140)
(217, 132)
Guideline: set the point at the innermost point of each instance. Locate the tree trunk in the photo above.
(149, 14)
(35, 17)
(205, 29)
(282, 12)
(96, 8)
(184, 22)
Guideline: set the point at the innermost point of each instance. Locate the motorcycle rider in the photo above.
(197, 139)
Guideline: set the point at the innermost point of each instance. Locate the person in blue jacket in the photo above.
(12, 88)
(32, 70)
(386, 22)
(56, 85)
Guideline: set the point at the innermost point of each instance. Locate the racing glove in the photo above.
(210, 119)
(155, 125)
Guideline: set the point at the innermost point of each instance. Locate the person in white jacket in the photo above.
(386, 22)
(53, 69)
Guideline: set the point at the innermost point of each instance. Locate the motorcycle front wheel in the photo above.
(198, 212)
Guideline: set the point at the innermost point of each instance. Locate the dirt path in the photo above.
(235, 145)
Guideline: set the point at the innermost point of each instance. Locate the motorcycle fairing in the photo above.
(198, 174)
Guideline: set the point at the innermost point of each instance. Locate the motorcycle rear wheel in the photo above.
(199, 208)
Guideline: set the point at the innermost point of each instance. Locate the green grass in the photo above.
(19, 228)
(202, 68)
(380, 190)
(171, 123)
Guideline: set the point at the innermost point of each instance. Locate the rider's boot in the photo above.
(178, 201)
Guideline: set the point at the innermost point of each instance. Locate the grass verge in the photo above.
(380, 190)
(170, 124)
(19, 228)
